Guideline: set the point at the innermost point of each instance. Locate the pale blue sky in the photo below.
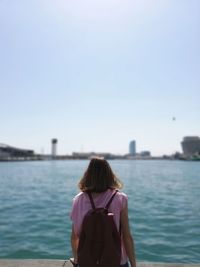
(98, 73)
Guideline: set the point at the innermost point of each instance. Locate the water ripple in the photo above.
(164, 210)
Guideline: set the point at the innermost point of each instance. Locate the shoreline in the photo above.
(59, 159)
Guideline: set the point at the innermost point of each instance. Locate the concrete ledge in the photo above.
(62, 263)
(67, 263)
(34, 263)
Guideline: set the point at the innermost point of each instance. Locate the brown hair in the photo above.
(99, 177)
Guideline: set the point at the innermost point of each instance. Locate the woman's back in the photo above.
(81, 205)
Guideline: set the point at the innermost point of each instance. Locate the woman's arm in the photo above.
(74, 244)
(127, 237)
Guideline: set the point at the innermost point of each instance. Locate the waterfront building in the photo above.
(54, 142)
(191, 145)
(89, 155)
(7, 151)
(145, 153)
(132, 148)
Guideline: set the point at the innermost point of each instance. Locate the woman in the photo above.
(101, 182)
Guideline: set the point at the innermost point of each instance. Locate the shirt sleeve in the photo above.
(73, 213)
(124, 200)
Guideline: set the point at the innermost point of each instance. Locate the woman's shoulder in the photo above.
(122, 199)
(79, 196)
(121, 194)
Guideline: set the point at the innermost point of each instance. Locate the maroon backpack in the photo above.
(100, 242)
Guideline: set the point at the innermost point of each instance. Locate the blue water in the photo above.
(164, 208)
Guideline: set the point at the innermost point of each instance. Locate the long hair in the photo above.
(99, 177)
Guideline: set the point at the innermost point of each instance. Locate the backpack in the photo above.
(100, 241)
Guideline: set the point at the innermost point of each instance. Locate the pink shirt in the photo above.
(81, 205)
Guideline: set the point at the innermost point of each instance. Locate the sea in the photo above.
(163, 202)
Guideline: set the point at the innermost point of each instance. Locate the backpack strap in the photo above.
(91, 200)
(110, 200)
(107, 205)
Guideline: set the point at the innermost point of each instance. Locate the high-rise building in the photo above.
(54, 142)
(191, 145)
(132, 148)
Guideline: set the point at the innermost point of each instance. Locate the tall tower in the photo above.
(132, 148)
(54, 142)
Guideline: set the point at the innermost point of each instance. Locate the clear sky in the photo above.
(97, 74)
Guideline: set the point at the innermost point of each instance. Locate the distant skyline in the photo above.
(98, 74)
